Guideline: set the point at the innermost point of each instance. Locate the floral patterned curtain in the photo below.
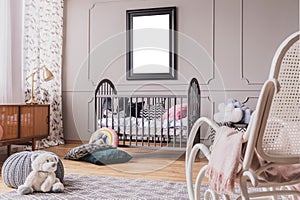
(43, 32)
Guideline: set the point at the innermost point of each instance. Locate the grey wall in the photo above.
(227, 45)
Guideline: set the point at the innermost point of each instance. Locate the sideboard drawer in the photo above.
(9, 120)
(41, 120)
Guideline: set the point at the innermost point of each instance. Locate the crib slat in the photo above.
(143, 123)
(181, 124)
(174, 123)
(168, 124)
(130, 123)
(148, 138)
(101, 113)
(136, 122)
(124, 130)
(112, 112)
(155, 105)
(106, 107)
(118, 114)
(161, 128)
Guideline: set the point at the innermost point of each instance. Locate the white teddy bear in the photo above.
(228, 113)
(42, 178)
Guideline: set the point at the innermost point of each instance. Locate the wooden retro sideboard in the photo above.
(23, 123)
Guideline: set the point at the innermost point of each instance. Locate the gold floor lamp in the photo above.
(47, 76)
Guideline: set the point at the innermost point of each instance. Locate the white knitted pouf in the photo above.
(17, 166)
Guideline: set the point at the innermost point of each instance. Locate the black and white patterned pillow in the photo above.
(152, 111)
(86, 149)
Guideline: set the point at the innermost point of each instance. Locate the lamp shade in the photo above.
(47, 75)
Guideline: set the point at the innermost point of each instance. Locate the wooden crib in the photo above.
(152, 121)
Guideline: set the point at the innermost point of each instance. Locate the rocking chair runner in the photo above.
(272, 139)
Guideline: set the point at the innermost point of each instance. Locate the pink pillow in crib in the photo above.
(180, 112)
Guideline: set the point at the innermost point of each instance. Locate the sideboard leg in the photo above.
(8, 150)
(33, 144)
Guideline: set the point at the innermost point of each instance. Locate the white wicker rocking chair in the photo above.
(273, 132)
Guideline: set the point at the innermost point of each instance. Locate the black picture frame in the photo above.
(171, 56)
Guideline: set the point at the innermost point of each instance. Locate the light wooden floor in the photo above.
(145, 164)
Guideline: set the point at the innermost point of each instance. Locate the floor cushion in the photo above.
(107, 156)
(17, 166)
(85, 149)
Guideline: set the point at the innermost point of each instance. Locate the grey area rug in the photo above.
(81, 187)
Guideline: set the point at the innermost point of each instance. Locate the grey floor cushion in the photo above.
(17, 166)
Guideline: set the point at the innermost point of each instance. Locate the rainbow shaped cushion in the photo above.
(105, 136)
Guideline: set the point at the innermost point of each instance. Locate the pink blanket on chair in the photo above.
(224, 162)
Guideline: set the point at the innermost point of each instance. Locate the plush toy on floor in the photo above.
(42, 178)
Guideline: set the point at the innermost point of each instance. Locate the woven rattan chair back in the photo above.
(279, 134)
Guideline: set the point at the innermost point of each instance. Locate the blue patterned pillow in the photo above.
(86, 149)
(108, 156)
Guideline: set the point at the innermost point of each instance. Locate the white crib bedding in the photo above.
(145, 127)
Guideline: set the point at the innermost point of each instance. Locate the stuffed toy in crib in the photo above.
(233, 112)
